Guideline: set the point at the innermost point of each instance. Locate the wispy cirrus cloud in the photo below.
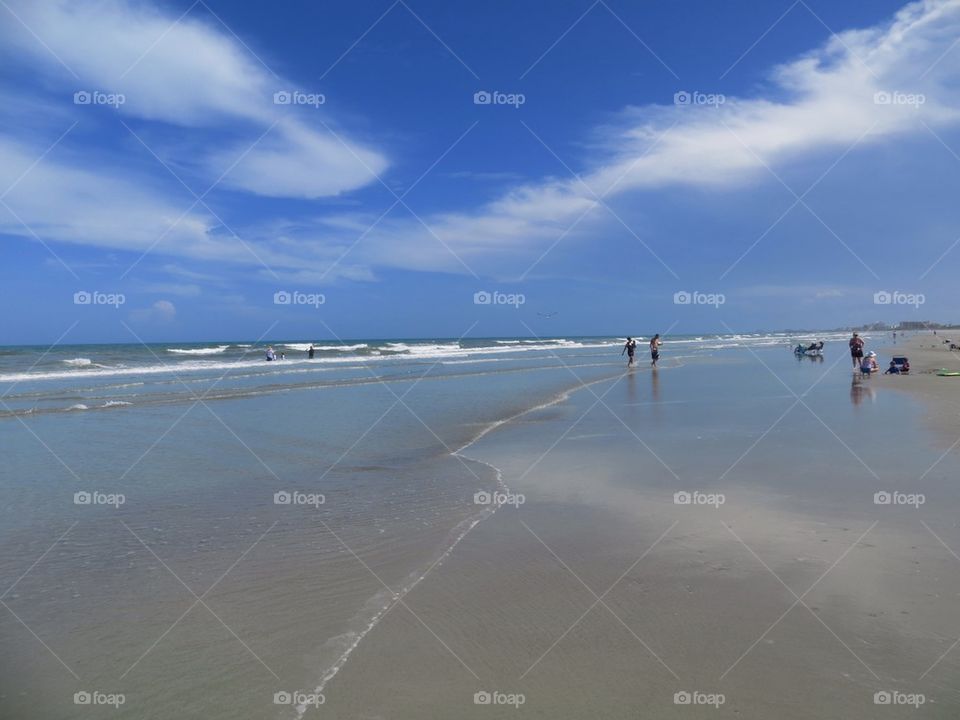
(198, 77)
(862, 88)
(189, 72)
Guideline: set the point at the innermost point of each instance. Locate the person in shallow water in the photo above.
(271, 355)
(655, 344)
(310, 352)
(630, 348)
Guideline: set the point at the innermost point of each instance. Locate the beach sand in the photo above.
(792, 593)
(600, 597)
(941, 395)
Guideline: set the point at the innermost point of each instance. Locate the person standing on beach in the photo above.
(630, 348)
(655, 344)
(856, 350)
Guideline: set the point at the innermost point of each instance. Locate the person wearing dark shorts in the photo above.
(655, 349)
(856, 350)
(630, 348)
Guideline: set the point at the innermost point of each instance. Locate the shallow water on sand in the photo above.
(200, 596)
(182, 583)
(795, 595)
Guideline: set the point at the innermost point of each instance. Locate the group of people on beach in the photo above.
(866, 362)
(631, 349)
(273, 355)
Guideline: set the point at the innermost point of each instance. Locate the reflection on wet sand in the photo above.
(860, 390)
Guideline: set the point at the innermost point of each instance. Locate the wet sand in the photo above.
(600, 596)
(795, 596)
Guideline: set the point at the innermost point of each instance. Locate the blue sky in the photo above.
(788, 186)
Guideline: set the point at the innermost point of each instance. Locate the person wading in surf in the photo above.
(630, 348)
(655, 344)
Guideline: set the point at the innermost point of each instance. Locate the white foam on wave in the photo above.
(394, 352)
(78, 406)
(540, 341)
(398, 352)
(433, 350)
(115, 403)
(185, 366)
(346, 348)
(199, 351)
(343, 348)
(424, 348)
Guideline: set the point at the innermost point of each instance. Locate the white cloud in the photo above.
(292, 161)
(91, 207)
(191, 74)
(162, 311)
(104, 208)
(198, 77)
(828, 104)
